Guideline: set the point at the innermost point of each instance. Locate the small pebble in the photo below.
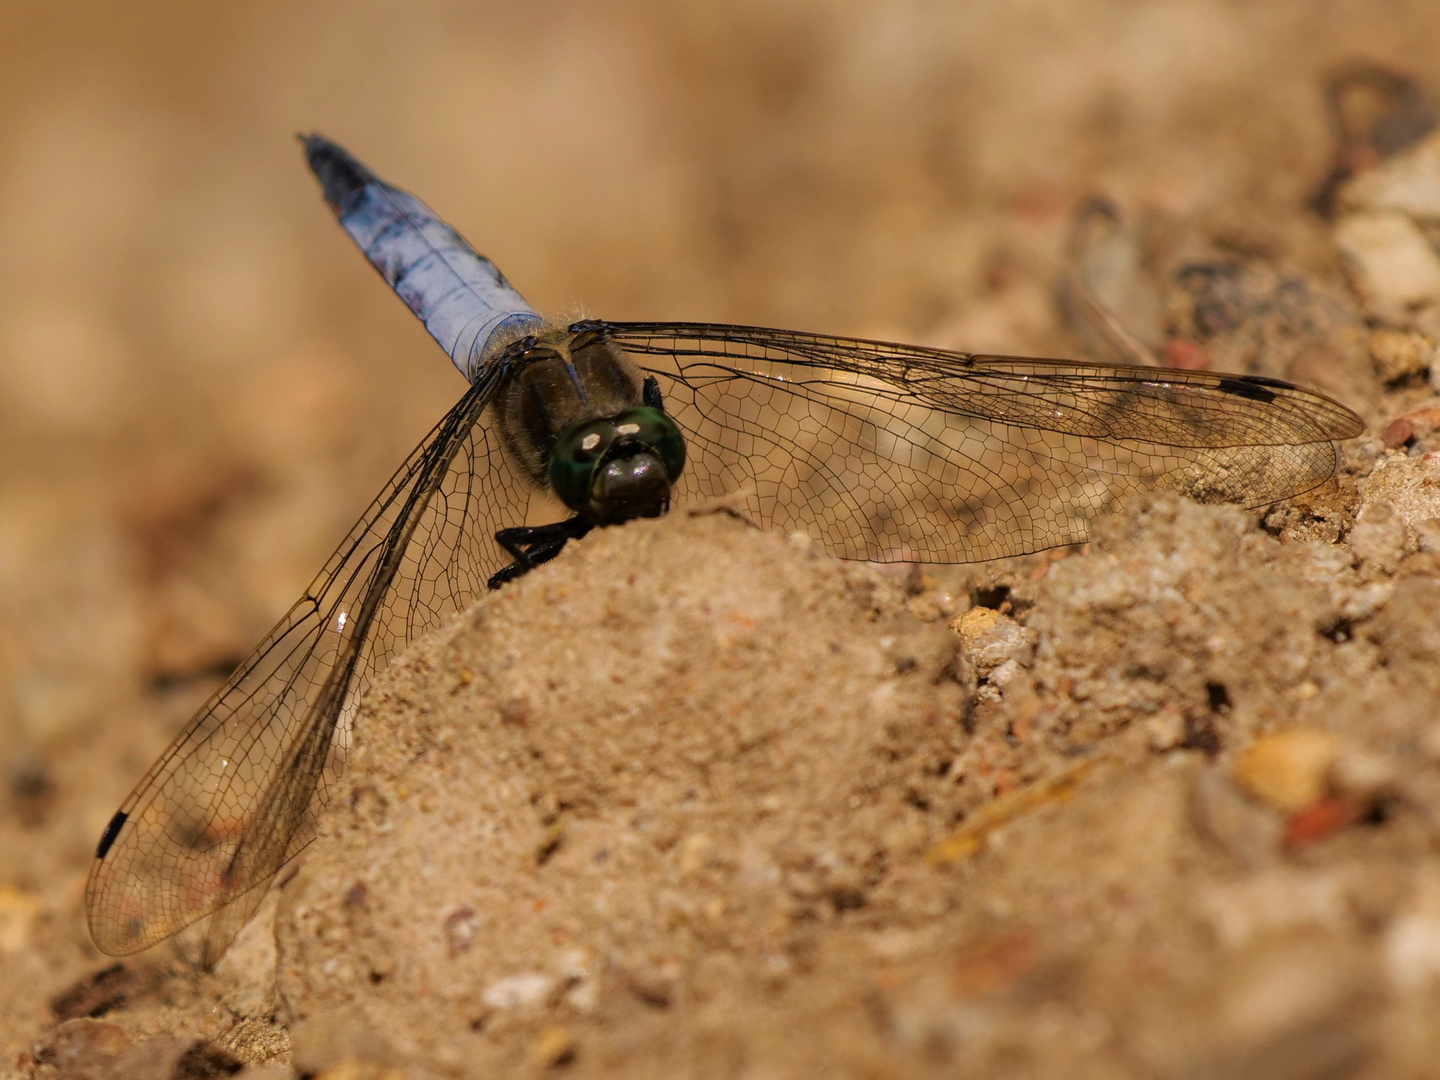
(1393, 265)
(516, 991)
(1165, 730)
(1411, 952)
(1397, 433)
(1273, 903)
(1409, 182)
(19, 912)
(461, 926)
(1418, 423)
(971, 625)
(1362, 778)
(554, 1046)
(1288, 770)
(1318, 821)
(1005, 674)
(1400, 354)
(991, 639)
(81, 1047)
(1186, 355)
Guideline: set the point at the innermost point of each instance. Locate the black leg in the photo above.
(650, 393)
(533, 545)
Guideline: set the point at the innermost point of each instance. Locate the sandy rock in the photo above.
(1288, 770)
(19, 914)
(96, 994)
(1170, 609)
(1399, 514)
(992, 639)
(701, 791)
(1248, 315)
(571, 845)
(1272, 903)
(1418, 423)
(1363, 779)
(337, 1040)
(97, 1050)
(1379, 539)
(248, 967)
(1408, 182)
(1394, 268)
(256, 1039)
(1322, 516)
(555, 1045)
(1400, 354)
(1411, 485)
(1250, 833)
(79, 1049)
(1412, 952)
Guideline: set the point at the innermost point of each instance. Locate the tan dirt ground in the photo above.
(698, 800)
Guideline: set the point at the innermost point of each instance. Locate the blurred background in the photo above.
(202, 383)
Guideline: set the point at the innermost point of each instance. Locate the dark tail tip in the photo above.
(340, 175)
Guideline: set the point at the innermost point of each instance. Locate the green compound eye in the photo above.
(638, 434)
(574, 458)
(654, 429)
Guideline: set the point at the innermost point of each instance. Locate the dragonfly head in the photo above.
(613, 470)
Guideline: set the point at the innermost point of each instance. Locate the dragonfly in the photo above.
(878, 451)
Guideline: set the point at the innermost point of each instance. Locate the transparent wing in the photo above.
(237, 794)
(898, 453)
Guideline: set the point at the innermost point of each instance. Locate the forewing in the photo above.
(897, 453)
(238, 792)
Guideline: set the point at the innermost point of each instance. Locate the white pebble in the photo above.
(517, 991)
(1395, 266)
(1412, 952)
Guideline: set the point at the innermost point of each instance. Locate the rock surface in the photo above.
(662, 778)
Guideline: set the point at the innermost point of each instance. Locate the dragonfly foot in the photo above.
(533, 545)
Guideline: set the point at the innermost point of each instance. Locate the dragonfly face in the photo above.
(578, 416)
(876, 450)
(612, 471)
